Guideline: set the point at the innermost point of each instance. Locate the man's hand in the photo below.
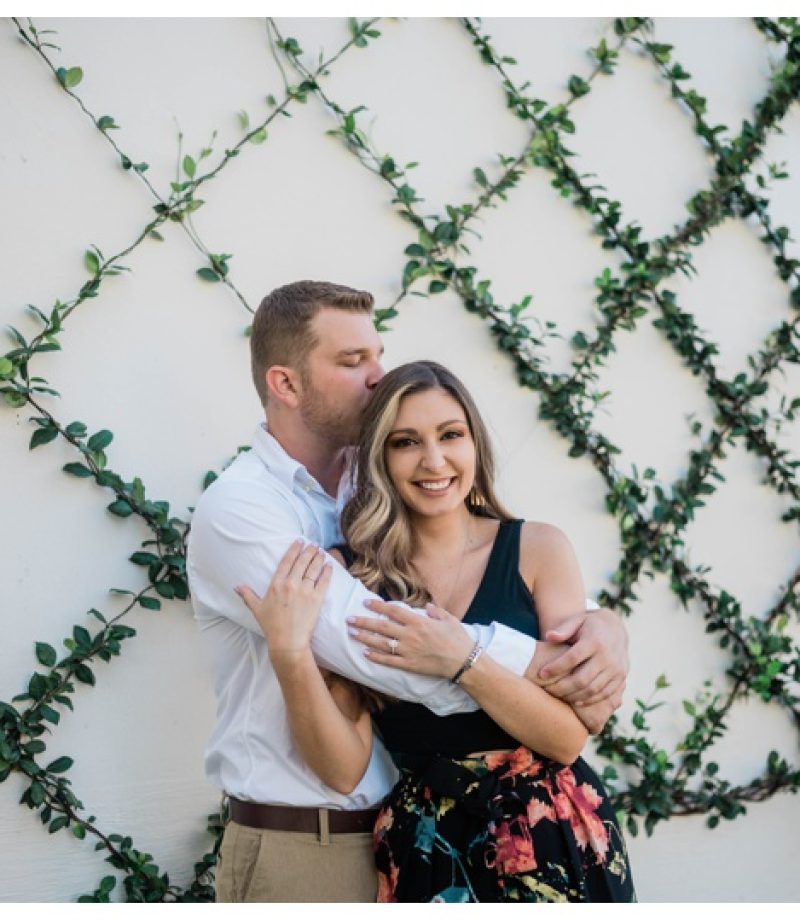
(593, 668)
(595, 716)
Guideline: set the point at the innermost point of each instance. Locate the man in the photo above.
(315, 360)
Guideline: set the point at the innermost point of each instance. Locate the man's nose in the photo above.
(376, 374)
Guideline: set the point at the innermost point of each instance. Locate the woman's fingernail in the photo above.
(350, 619)
(352, 632)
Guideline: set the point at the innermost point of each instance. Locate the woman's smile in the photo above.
(435, 486)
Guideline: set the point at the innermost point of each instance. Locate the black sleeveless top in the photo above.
(502, 597)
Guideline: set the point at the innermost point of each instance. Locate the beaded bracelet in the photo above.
(473, 656)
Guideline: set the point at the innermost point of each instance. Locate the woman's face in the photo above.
(430, 453)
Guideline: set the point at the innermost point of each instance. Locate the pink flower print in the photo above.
(578, 805)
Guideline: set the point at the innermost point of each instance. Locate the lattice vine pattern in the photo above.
(651, 515)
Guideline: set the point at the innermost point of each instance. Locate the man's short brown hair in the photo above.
(281, 332)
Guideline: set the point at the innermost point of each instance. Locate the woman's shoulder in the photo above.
(538, 543)
(541, 532)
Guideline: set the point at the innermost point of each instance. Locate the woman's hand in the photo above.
(436, 644)
(288, 612)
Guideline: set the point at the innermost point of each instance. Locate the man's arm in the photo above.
(240, 533)
(595, 713)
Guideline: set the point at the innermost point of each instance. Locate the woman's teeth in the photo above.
(438, 486)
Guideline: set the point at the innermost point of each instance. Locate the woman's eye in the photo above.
(402, 442)
(453, 434)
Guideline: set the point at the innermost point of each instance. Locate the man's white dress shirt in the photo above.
(242, 526)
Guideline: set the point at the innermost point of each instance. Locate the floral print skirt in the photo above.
(508, 826)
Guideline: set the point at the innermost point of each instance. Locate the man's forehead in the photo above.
(339, 331)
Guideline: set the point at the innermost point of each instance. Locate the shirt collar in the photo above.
(288, 470)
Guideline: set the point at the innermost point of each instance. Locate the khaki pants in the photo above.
(288, 866)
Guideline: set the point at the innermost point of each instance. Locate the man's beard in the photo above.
(328, 420)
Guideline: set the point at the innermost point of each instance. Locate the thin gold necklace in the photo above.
(467, 534)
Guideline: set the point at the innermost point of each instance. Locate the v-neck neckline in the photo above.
(488, 566)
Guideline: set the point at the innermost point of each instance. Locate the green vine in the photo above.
(163, 555)
(651, 516)
(651, 519)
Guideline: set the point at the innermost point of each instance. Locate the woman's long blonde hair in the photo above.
(375, 522)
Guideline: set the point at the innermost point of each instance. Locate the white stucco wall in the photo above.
(160, 359)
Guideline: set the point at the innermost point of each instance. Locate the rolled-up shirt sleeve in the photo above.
(239, 535)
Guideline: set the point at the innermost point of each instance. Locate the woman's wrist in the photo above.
(474, 654)
(286, 661)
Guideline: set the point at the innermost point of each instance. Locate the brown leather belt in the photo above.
(306, 820)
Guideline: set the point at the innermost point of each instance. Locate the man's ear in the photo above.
(283, 385)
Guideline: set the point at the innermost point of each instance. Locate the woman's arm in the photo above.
(526, 711)
(550, 569)
(331, 730)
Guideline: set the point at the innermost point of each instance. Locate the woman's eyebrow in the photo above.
(452, 421)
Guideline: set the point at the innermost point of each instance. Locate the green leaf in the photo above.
(91, 261)
(106, 123)
(14, 399)
(6, 368)
(82, 636)
(46, 654)
(109, 480)
(58, 823)
(43, 436)
(79, 831)
(84, 674)
(150, 603)
(69, 78)
(436, 287)
(259, 137)
(121, 508)
(60, 765)
(207, 274)
(578, 86)
(144, 558)
(49, 714)
(100, 440)
(37, 793)
(189, 166)
(77, 469)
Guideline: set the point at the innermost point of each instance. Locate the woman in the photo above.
(493, 805)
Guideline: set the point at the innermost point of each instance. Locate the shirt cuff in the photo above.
(507, 646)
